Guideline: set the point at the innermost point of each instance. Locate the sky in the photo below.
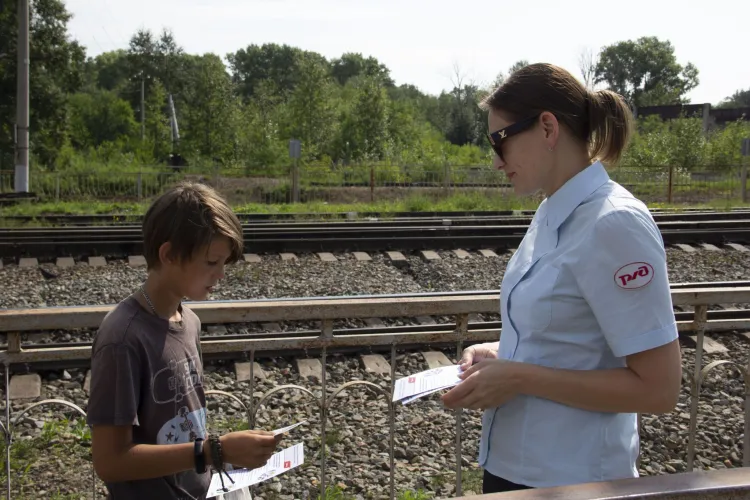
(423, 42)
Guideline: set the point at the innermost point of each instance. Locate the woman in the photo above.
(589, 338)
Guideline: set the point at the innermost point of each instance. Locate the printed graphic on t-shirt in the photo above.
(184, 427)
(171, 384)
(173, 388)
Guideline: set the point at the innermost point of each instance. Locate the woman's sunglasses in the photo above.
(497, 137)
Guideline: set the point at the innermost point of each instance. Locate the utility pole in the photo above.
(22, 98)
(143, 108)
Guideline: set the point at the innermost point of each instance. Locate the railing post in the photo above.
(372, 183)
(670, 183)
(295, 181)
(14, 342)
(392, 422)
(251, 413)
(327, 333)
(8, 433)
(746, 439)
(57, 186)
(699, 323)
(447, 179)
(462, 326)
(139, 185)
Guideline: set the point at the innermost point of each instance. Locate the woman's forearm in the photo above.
(618, 390)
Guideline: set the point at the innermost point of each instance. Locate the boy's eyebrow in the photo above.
(218, 255)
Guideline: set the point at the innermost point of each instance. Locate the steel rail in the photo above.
(331, 238)
(125, 218)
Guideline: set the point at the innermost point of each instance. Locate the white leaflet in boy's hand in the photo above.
(279, 463)
(284, 430)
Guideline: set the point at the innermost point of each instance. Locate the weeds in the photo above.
(31, 458)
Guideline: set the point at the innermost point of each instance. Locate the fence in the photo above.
(326, 310)
(381, 183)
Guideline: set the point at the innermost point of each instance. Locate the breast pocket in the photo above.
(532, 299)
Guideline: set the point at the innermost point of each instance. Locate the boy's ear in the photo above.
(165, 253)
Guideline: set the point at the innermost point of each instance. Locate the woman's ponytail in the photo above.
(610, 125)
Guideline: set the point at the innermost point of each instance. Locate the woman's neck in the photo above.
(568, 164)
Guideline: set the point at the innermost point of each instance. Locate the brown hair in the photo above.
(189, 215)
(601, 120)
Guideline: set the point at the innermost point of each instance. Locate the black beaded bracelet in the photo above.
(217, 458)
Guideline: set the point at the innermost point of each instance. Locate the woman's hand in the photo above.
(476, 353)
(489, 383)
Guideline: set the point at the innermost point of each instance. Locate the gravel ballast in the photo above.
(358, 421)
(308, 276)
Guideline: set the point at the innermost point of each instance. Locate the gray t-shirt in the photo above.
(147, 372)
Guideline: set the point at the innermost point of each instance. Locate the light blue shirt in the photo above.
(587, 287)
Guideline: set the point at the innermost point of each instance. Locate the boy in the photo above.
(147, 407)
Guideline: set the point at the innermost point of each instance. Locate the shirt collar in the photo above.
(563, 201)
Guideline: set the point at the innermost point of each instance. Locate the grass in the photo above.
(415, 203)
(60, 440)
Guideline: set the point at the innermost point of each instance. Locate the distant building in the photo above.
(712, 117)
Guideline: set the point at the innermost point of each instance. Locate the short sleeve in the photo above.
(622, 274)
(115, 386)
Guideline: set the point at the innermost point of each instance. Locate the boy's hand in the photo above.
(249, 449)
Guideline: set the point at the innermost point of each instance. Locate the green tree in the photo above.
(170, 63)
(209, 125)
(259, 142)
(268, 62)
(56, 70)
(158, 133)
(364, 127)
(740, 99)
(646, 72)
(351, 65)
(100, 117)
(311, 110)
(143, 65)
(110, 70)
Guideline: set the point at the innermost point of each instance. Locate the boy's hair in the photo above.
(189, 216)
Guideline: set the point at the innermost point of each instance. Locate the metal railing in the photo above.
(326, 310)
(376, 183)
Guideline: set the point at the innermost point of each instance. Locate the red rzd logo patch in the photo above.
(287, 464)
(412, 380)
(634, 275)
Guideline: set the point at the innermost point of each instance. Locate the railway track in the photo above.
(408, 233)
(685, 214)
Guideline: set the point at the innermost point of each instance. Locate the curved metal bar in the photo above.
(228, 395)
(62, 402)
(697, 381)
(355, 382)
(5, 431)
(707, 369)
(279, 389)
